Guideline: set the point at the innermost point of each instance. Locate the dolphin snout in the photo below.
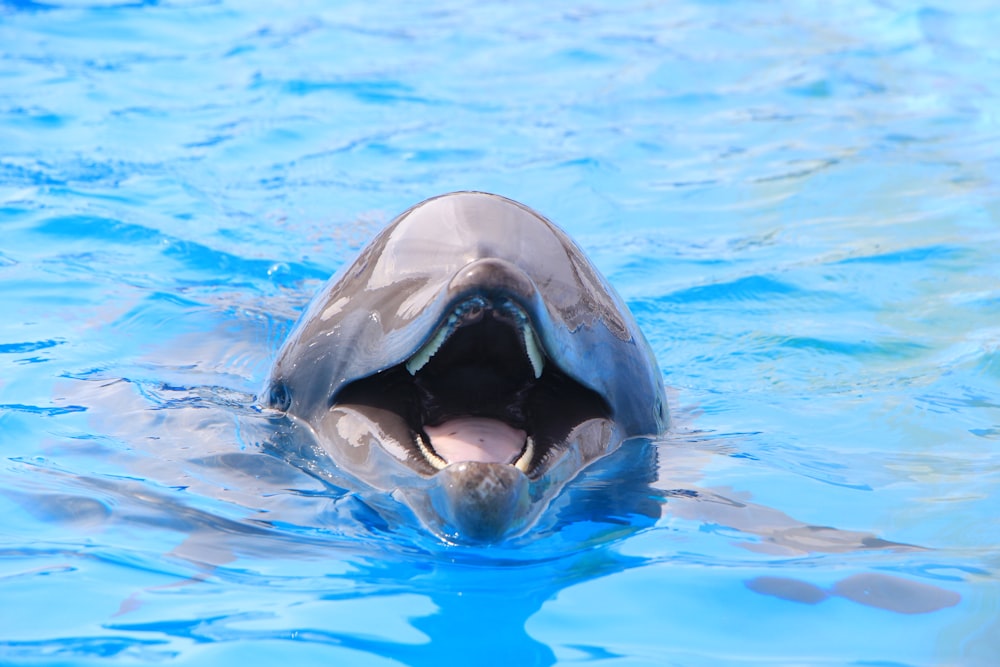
(493, 275)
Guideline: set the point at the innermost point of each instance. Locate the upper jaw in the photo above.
(474, 310)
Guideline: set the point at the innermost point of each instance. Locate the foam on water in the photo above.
(799, 204)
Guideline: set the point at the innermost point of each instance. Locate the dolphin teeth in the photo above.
(429, 453)
(424, 354)
(523, 462)
(534, 350)
(472, 311)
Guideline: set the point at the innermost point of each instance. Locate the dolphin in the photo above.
(469, 363)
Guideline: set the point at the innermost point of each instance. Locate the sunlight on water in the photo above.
(799, 205)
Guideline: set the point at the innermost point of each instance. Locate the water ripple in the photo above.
(30, 346)
(47, 411)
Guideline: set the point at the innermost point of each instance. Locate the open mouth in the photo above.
(481, 388)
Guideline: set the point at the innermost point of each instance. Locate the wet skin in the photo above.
(471, 361)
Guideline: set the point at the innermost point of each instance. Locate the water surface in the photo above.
(799, 203)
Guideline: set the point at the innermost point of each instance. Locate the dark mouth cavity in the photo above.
(484, 360)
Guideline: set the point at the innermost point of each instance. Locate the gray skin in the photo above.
(474, 272)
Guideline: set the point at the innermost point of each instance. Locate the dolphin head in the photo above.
(470, 362)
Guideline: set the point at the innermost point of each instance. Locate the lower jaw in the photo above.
(465, 502)
(476, 502)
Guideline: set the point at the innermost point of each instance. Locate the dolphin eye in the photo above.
(278, 397)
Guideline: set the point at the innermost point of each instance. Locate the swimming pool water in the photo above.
(798, 201)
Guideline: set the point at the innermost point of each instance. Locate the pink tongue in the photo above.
(476, 439)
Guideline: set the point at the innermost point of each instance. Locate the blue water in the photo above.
(798, 201)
